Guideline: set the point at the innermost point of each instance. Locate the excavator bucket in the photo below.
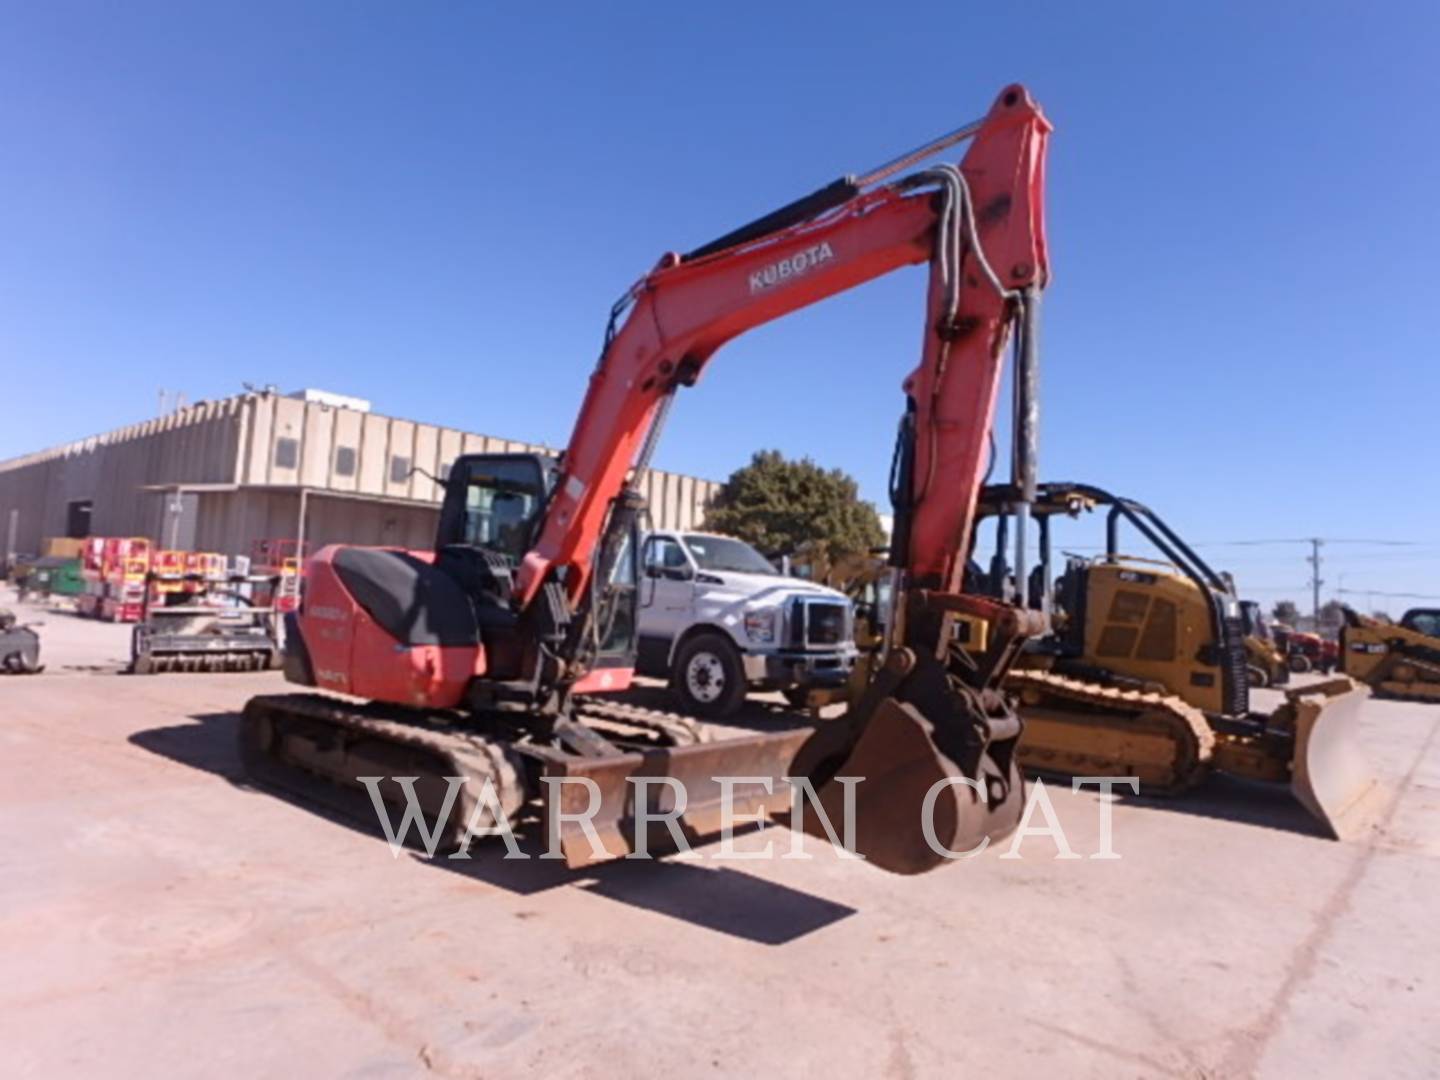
(912, 787)
(914, 807)
(1329, 775)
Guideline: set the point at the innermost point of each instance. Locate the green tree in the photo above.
(779, 506)
(1332, 613)
(1286, 612)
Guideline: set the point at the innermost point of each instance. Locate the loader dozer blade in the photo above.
(1330, 776)
(899, 825)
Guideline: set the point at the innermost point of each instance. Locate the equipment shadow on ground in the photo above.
(693, 890)
(1245, 802)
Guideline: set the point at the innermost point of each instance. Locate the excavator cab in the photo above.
(492, 507)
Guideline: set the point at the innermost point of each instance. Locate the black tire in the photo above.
(1299, 663)
(708, 676)
(140, 663)
(1258, 678)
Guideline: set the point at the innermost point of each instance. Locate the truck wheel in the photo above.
(1299, 663)
(708, 676)
(1258, 678)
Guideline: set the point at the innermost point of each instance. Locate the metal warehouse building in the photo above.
(219, 475)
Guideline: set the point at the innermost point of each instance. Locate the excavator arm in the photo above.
(980, 226)
(933, 737)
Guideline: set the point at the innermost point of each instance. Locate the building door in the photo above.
(180, 511)
(77, 519)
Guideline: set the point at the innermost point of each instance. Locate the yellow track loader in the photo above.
(1145, 673)
(1397, 660)
(1267, 663)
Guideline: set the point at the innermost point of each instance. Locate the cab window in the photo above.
(500, 506)
(662, 553)
(1426, 622)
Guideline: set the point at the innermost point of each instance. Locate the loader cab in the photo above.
(1423, 621)
(1254, 621)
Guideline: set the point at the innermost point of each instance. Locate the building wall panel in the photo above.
(317, 450)
(234, 441)
(374, 451)
(427, 449)
(401, 459)
(347, 438)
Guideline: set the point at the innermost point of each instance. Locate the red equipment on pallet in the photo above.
(283, 560)
(115, 570)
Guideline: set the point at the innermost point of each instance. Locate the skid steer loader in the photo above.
(1397, 660)
(1145, 672)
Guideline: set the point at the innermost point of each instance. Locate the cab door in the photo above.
(667, 601)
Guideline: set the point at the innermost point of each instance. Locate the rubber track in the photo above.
(465, 746)
(1391, 690)
(467, 752)
(1121, 712)
(673, 728)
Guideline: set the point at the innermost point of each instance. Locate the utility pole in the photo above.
(1315, 579)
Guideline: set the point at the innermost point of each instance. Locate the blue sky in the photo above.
(433, 206)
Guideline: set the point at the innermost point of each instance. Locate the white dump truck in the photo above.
(717, 620)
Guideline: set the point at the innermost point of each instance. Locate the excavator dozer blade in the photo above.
(914, 808)
(1330, 776)
(600, 820)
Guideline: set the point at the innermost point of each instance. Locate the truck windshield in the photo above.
(722, 553)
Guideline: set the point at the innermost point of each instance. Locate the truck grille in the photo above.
(818, 624)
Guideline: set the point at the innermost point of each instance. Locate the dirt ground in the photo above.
(157, 916)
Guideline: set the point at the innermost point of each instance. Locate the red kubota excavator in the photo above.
(483, 658)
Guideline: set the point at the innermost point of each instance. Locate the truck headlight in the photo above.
(760, 625)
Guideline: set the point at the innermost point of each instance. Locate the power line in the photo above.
(1390, 595)
(1308, 540)
(1315, 559)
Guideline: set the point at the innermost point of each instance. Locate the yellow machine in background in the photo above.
(1268, 664)
(1398, 660)
(1145, 671)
